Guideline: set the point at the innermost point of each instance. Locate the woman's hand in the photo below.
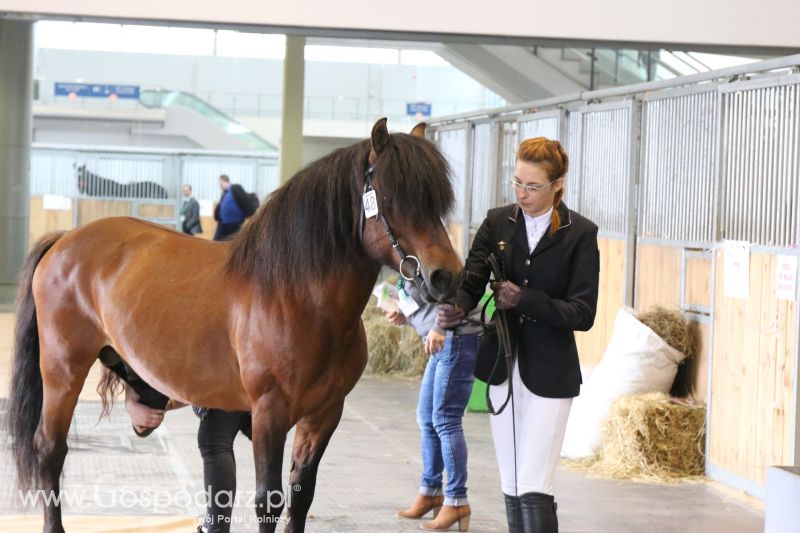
(449, 315)
(142, 416)
(396, 318)
(506, 295)
(434, 342)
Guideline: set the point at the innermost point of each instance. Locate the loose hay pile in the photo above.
(392, 350)
(649, 438)
(670, 325)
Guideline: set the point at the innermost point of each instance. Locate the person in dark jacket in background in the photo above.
(552, 267)
(190, 213)
(233, 207)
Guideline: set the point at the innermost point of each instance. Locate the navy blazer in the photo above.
(559, 282)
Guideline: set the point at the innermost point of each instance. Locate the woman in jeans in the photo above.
(443, 395)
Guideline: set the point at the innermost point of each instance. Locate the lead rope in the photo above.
(504, 348)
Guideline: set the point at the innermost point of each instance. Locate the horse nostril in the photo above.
(441, 280)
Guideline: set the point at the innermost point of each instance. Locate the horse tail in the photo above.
(25, 401)
(109, 387)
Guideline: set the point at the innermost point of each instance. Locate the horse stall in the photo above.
(72, 186)
(695, 187)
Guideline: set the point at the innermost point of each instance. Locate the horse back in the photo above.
(159, 298)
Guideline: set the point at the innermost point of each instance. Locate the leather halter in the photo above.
(416, 277)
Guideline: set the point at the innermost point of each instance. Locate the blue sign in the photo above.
(420, 108)
(95, 90)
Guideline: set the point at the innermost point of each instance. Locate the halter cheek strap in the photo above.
(412, 260)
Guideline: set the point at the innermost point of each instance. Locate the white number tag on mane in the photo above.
(370, 204)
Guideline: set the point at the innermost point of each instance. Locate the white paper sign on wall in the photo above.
(787, 278)
(737, 269)
(56, 202)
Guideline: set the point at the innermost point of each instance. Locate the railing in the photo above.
(635, 125)
(620, 66)
(148, 176)
(234, 104)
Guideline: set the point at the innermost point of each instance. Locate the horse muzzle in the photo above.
(442, 284)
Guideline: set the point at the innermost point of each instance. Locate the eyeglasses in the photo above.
(531, 188)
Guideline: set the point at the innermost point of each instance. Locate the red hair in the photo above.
(553, 158)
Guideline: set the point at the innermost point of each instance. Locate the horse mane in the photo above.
(309, 227)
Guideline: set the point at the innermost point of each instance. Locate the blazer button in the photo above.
(524, 282)
(527, 262)
(521, 320)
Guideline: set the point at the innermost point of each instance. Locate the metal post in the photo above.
(16, 88)
(632, 203)
(466, 219)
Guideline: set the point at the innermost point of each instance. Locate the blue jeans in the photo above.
(443, 396)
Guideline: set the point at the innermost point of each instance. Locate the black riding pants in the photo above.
(215, 438)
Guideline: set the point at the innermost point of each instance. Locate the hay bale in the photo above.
(371, 310)
(392, 350)
(649, 437)
(670, 325)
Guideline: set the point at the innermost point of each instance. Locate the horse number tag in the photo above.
(370, 204)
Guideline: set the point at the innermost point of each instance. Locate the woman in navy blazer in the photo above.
(552, 267)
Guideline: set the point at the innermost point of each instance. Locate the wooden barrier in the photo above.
(658, 277)
(42, 221)
(156, 210)
(91, 209)
(592, 344)
(659, 282)
(752, 404)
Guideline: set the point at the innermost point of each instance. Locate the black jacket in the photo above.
(559, 282)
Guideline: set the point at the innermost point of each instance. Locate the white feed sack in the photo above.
(637, 361)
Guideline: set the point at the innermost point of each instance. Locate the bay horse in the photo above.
(269, 322)
(90, 184)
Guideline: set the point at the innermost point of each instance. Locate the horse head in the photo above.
(407, 194)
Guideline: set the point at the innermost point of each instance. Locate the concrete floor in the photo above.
(371, 468)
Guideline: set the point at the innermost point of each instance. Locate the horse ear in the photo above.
(419, 130)
(379, 139)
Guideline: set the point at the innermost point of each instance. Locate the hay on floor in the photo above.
(392, 350)
(649, 437)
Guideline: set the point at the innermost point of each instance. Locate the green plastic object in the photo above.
(477, 400)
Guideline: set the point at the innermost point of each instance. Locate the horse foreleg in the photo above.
(62, 380)
(270, 425)
(310, 440)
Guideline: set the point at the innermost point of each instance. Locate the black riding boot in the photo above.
(514, 514)
(538, 513)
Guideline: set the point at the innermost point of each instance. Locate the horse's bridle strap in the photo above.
(417, 274)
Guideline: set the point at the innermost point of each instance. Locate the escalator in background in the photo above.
(165, 99)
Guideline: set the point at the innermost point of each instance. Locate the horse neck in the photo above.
(346, 293)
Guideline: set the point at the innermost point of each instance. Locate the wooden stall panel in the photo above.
(156, 211)
(42, 221)
(592, 344)
(658, 276)
(90, 210)
(698, 282)
(752, 408)
(209, 227)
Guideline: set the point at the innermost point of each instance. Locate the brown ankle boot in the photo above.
(448, 516)
(421, 506)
